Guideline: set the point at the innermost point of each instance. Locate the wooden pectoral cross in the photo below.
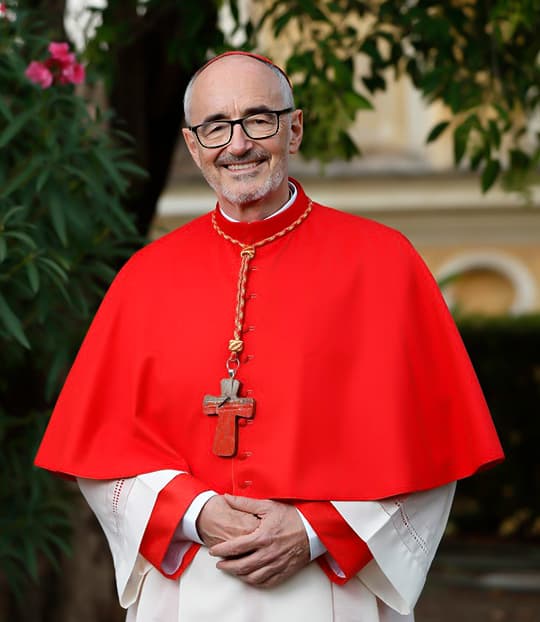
(228, 407)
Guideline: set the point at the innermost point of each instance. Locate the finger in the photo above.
(237, 546)
(264, 577)
(246, 504)
(245, 565)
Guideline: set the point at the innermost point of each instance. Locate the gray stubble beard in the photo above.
(245, 198)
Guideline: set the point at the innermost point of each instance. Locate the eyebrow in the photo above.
(221, 116)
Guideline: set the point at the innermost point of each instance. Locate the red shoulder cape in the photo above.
(362, 384)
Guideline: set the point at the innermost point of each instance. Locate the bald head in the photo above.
(234, 66)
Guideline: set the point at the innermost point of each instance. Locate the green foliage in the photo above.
(504, 500)
(35, 506)
(322, 69)
(62, 235)
(480, 59)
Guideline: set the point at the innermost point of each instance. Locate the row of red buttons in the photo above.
(244, 455)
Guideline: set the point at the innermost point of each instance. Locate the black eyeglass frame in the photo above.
(233, 122)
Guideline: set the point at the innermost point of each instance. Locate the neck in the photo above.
(256, 210)
(252, 232)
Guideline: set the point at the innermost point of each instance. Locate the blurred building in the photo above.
(489, 243)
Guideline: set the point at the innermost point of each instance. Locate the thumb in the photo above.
(246, 504)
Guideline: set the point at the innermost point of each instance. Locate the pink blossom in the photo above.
(3, 9)
(74, 73)
(61, 67)
(39, 74)
(61, 53)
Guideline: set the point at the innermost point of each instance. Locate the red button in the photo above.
(244, 455)
(245, 484)
(242, 423)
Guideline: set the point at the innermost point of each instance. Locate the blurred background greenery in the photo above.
(83, 170)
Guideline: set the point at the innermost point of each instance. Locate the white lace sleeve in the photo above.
(123, 508)
(403, 534)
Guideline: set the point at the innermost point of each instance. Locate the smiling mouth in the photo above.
(243, 166)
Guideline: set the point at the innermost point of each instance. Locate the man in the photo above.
(297, 357)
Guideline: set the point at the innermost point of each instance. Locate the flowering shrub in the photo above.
(61, 68)
(63, 233)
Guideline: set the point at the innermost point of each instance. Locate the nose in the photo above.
(240, 141)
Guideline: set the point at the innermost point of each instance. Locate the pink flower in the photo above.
(61, 67)
(74, 73)
(60, 52)
(39, 74)
(3, 9)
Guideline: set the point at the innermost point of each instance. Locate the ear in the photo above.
(192, 145)
(296, 132)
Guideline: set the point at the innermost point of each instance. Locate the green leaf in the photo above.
(30, 559)
(42, 178)
(494, 133)
(310, 8)
(73, 170)
(58, 217)
(12, 323)
(4, 109)
(503, 113)
(130, 167)
(52, 267)
(437, 131)
(490, 174)
(519, 159)
(334, 7)
(233, 5)
(343, 73)
(374, 82)
(281, 22)
(110, 169)
(461, 137)
(11, 212)
(476, 159)
(17, 125)
(357, 101)
(22, 237)
(3, 248)
(33, 276)
(21, 178)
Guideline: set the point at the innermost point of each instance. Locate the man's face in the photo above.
(245, 172)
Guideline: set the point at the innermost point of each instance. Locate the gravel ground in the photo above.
(451, 604)
(483, 584)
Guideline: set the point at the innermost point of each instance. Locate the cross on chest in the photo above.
(229, 408)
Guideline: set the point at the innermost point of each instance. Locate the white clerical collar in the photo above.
(293, 193)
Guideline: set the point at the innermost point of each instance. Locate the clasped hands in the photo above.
(261, 542)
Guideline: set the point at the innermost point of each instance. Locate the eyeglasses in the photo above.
(214, 134)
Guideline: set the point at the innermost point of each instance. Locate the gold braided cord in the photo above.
(236, 344)
(247, 253)
(267, 240)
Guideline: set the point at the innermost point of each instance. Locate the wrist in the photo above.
(200, 521)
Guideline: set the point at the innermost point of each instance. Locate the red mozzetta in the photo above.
(362, 386)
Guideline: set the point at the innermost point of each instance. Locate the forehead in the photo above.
(233, 85)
